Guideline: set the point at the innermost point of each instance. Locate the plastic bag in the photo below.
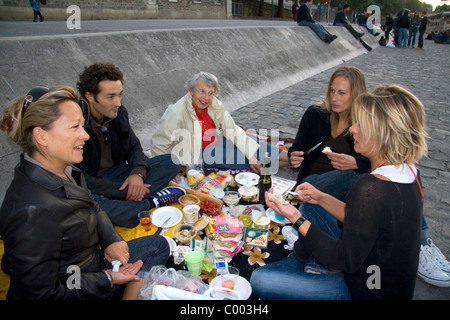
(181, 279)
(213, 293)
(390, 44)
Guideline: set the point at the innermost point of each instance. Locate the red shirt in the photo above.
(208, 128)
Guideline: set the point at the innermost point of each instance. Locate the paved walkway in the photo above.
(426, 73)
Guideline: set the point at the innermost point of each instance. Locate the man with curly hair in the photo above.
(120, 176)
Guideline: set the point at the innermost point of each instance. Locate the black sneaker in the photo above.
(330, 38)
(167, 196)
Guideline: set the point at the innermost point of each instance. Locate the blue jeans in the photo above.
(232, 158)
(316, 27)
(327, 223)
(412, 35)
(320, 217)
(421, 33)
(402, 37)
(287, 280)
(152, 250)
(124, 213)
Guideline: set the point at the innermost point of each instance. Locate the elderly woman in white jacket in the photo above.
(198, 128)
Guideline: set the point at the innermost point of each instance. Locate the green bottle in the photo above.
(265, 180)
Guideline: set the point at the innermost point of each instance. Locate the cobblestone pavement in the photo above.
(426, 73)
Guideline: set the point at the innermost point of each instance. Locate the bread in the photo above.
(229, 234)
(201, 223)
(277, 196)
(326, 149)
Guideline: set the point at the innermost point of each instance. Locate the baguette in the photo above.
(201, 223)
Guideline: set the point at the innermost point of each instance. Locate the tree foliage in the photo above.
(386, 6)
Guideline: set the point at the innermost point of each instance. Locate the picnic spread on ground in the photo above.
(230, 231)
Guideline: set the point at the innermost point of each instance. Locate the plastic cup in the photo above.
(145, 220)
(194, 262)
(246, 220)
(191, 213)
(229, 279)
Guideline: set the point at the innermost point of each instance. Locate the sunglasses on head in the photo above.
(32, 96)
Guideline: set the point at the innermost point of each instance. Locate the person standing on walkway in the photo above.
(295, 7)
(304, 19)
(388, 25)
(415, 21)
(121, 177)
(403, 26)
(422, 29)
(35, 4)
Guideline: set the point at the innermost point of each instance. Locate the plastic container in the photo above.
(188, 199)
(183, 233)
(191, 213)
(248, 193)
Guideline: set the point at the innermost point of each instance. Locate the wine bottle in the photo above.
(265, 180)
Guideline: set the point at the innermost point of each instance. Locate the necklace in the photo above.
(384, 163)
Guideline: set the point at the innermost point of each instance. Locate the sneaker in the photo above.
(428, 271)
(290, 235)
(331, 38)
(167, 196)
(437, 256)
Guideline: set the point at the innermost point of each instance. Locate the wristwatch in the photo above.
(141, 175)
(299, 222)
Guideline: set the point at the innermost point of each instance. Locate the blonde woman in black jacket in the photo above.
(59, 244)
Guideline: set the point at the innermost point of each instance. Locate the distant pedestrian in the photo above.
(388, 25)
(35, 4)
(342, 20)
(304, 19)
(403, 26)
(295, 7)
(415, 21)
(422, 28)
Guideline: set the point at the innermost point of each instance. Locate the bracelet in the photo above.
(299, 222)
(109, 277)
(141, 175)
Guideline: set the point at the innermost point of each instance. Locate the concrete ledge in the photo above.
(250, 62)
(58, 14)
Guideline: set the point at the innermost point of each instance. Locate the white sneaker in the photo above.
(429, 271)
(291, 235)
(438, 257)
